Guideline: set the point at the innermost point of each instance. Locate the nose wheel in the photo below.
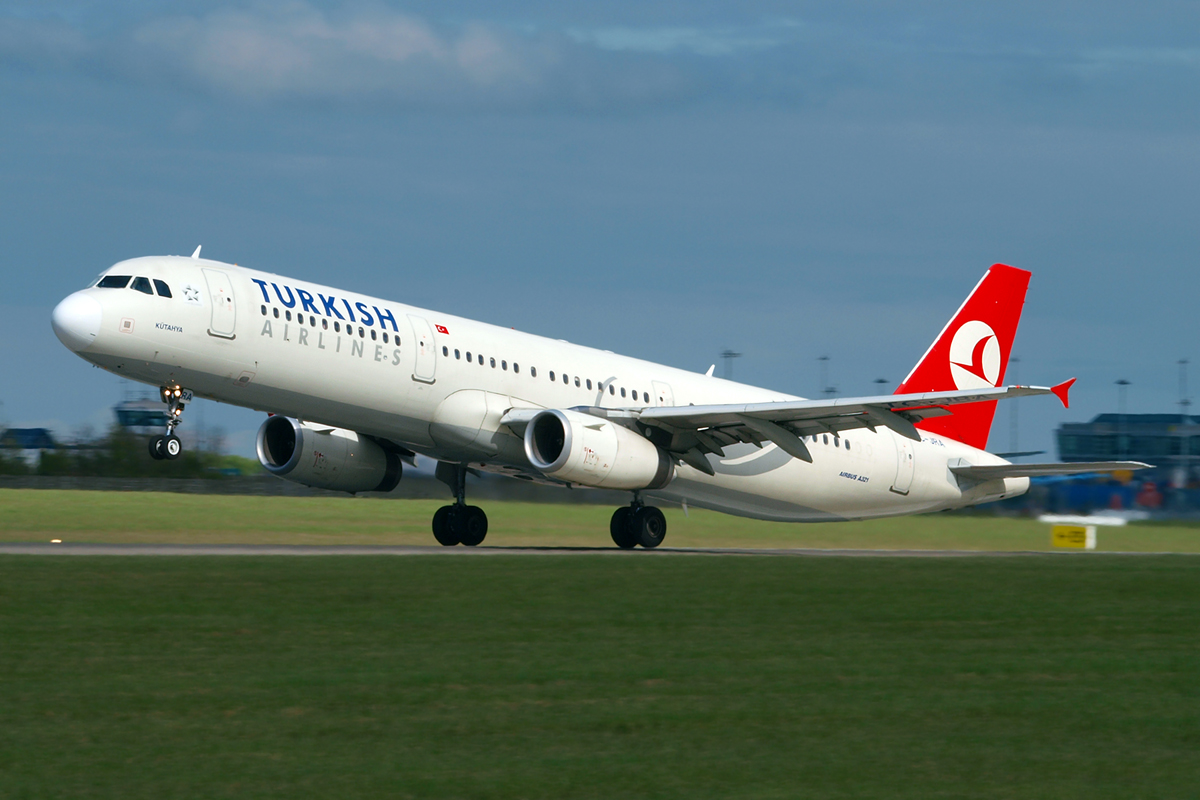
(168, 446)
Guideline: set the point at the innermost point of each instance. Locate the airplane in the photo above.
(355, 386)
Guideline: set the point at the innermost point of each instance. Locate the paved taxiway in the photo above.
(81, 549)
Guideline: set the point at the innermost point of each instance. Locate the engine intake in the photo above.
(326, 458)
(580, 448)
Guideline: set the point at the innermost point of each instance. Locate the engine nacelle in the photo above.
(326, 458)
(580, 448)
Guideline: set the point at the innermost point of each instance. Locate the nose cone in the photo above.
(76, 321)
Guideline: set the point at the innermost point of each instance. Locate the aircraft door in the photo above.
(906, 463)
(662, 394)
(425, 368)
(224, 310)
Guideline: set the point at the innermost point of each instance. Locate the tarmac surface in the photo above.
(71, 549)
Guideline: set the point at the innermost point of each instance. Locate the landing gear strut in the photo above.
(459, 523)
(638, 524)
(169, 446)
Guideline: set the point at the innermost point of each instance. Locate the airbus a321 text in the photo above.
(356, 385)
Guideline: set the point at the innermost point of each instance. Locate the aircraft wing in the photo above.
(690, 432)
(992, 471)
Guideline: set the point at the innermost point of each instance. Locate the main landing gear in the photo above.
(459, 523)
(169, 447)
(638, 524)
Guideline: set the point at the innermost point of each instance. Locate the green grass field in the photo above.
(38, 516)
(600, 677)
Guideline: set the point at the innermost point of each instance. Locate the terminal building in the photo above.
(1171, 442)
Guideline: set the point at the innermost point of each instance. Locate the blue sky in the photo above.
(789, 180)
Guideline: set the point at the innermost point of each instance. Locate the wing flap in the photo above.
(707, 429)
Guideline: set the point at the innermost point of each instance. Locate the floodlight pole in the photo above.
(728, 356)
(1122, 449)
(1012, 406)
(1184, 421)
(826, 389)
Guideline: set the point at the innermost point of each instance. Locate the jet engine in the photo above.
(579, 448)
(326, 458)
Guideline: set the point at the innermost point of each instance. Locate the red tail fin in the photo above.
(972, 353)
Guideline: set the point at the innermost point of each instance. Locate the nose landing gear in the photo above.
(638, 524)
(459, 523)
(169, 446)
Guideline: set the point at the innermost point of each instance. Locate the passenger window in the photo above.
(622, 391)
(385, 337)
(468, 356)
(113, 282)
(493, 360)
(361, 333)
(576, 381)
(824, 439)
(325, 326)
(457, 355)
(516, 367)
(504, 366)
(551, 376)
(337, 326)
(165, 291)
(275, 311)
(288, 315)
(445, 350)
(566, 379)
(589, 383)
(847, 444)
(645, 397)
(264, 310)
(142, 285)
(533, 372)
(611, 389)
(372, 334)
(312, 320)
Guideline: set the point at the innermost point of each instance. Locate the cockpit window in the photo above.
(163, 289)
(142, 285)
(113, 282)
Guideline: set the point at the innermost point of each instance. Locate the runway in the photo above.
(70, 549)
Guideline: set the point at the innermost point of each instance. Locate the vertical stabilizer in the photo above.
(972, 352)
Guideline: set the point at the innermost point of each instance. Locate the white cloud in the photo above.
(298, 51)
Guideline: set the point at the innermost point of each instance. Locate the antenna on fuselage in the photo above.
(197, 253)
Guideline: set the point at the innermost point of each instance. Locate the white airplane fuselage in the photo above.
(403, 374)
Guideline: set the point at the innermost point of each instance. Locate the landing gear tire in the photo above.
(650, 526)
(443, 531)
(172, 447)
(459, 523)
(156, 447)
(621, 529)
(472, 524)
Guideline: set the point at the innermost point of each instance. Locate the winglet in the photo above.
(197, 253)
(710, 371)
(1060, 391)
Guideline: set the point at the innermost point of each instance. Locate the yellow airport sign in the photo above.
(1081, 537)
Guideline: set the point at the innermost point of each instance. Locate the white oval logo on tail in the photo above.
(975, 356)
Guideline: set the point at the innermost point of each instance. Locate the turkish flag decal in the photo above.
(442, 329)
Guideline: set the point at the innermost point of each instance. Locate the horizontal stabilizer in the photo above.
(989, 472)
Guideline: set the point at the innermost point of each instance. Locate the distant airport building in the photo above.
(1171, 442)
(143, 416)
(28, 442)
